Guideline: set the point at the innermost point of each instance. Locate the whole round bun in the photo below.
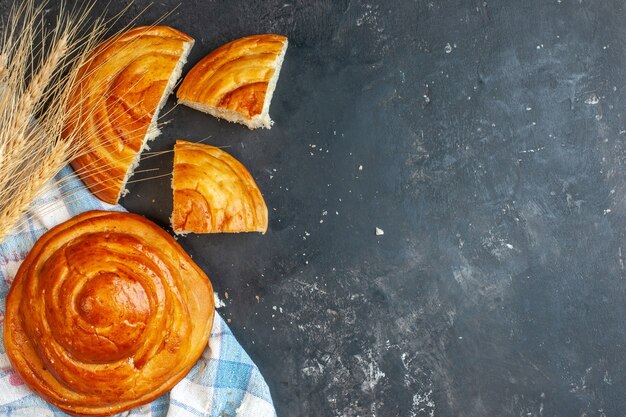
(106, 313)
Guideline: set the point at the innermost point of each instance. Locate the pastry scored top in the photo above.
(236, 81)
(213, 192)
(115, 103)
(107, 312)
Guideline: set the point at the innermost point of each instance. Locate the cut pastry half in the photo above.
(116, 102)
(214, 193)
(236, 81)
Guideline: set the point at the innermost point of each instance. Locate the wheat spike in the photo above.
(31, 189)
(38, 67)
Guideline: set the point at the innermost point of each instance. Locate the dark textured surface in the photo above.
(491, 139)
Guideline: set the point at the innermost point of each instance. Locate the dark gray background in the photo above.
(491, 139)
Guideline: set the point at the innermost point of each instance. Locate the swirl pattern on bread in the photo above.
(213, 192)
(116, 101)
(106, 313)
(236, 81)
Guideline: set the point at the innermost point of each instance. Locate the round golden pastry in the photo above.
(106, 313)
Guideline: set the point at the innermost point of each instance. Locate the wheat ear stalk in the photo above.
(38, 68)
(32, 188)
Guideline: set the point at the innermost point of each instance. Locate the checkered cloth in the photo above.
(223, 383)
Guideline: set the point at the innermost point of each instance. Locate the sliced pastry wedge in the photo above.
(214, 193)
(237, 80)
(116, 102)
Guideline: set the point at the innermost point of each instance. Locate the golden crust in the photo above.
(235, 76)
(115, 100)
(213, 192)
(106, 313)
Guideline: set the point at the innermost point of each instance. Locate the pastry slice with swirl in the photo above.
(106, 313)
(115, 104)
(237, 80)
(213, 192)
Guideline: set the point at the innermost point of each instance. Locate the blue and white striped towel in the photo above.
(224, 382)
